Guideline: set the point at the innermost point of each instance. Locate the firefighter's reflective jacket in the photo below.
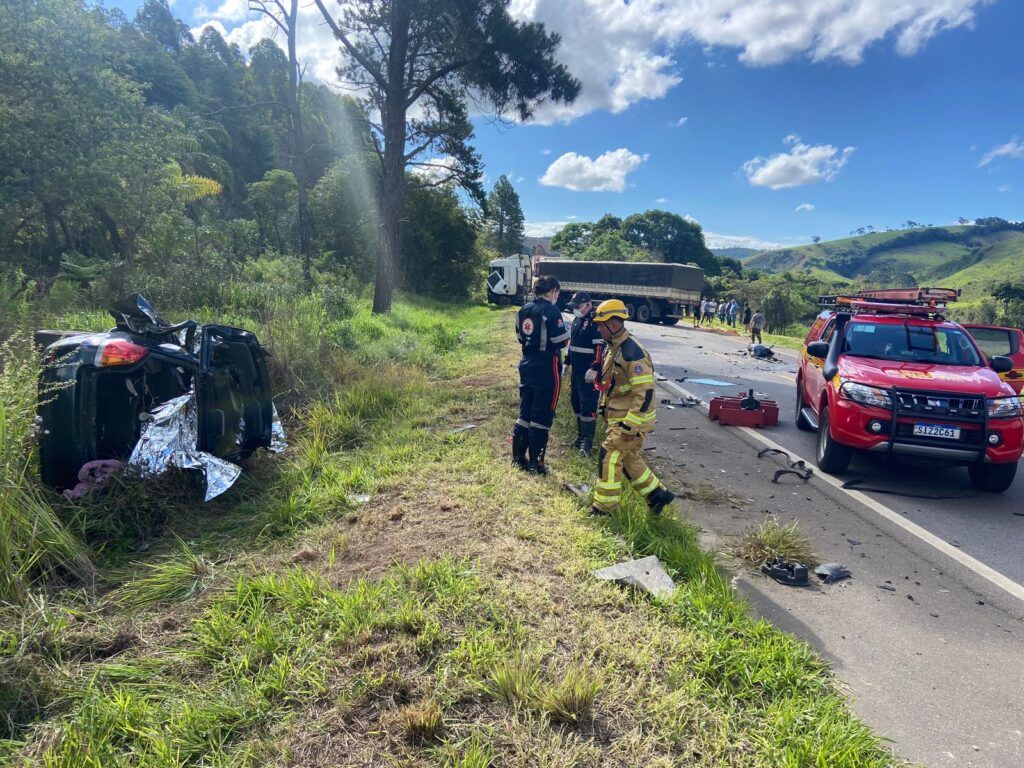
(627, 384)
(540, 329)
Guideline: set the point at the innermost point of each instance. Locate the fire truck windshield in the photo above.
(911, 344)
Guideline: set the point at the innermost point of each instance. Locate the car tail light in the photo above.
(120, 352)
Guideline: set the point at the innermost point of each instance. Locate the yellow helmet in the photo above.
(606, 310)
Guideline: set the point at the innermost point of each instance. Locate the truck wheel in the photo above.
(801, 422)
(994, 478)
(832, 456)
(669, 320)
(631, 309)
(504, 301)
(643, 313)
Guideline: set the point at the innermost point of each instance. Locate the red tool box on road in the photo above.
(744, 411)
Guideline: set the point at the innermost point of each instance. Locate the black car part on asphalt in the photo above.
(99, 388)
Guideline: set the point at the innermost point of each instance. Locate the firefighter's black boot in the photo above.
(659, 498)
(579, 433)
(520, 444)
(538, 448)
(587, 429)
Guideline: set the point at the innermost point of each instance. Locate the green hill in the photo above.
(972, 257)
(735, 252)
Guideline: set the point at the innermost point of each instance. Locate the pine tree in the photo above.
(504, 218)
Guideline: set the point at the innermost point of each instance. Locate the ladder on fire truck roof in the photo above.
(896, 301)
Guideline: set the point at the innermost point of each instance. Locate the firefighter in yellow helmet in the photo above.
(627, 404)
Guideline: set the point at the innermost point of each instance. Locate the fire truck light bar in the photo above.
(898, 301)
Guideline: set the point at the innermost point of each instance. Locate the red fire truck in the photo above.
(884, 371)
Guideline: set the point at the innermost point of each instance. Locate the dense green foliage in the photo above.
(136, 157)
(649, 236)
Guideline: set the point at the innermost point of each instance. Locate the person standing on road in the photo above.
(746, 317)
(756, 325)
(627, 405)
(542, 334)
(734, 308)
(586, 349)
(709, 313)
(700, 309)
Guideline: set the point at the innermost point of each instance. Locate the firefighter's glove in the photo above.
(591, 376)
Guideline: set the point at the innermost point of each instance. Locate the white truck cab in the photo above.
(509, 279)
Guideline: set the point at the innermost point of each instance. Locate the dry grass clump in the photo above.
(421, 722)
(760, 543)
(571, 699)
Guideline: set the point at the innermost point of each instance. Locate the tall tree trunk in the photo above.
(392, 195)
(299, 147)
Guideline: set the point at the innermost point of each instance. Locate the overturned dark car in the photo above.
(153, 394)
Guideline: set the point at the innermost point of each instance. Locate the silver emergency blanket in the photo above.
(170, 439)
(277, 438)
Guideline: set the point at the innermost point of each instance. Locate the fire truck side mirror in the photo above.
(818, 349)
(1001, 364)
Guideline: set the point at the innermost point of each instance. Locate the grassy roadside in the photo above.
(450, 619)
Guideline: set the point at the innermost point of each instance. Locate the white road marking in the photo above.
(986, 572)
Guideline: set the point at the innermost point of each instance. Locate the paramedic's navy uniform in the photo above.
(585, 353)
(542, 334)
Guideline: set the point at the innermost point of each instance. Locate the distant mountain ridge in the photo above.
(735, 252)
(970, 257)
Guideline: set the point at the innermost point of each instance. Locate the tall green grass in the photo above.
(34, 543)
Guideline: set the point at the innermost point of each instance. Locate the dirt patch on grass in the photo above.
(392, 529)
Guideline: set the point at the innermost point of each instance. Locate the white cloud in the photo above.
(661, 200)
(228, 10)
(803, 164)
(623, 52)
(1012, 150)
(804, 207)
(572, 217)
(545, 151)
(1004, 188)
(681, 122)
(715, 240)
(582, 174)
(542, 228)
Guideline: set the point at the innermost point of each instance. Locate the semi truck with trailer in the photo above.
(652, 292)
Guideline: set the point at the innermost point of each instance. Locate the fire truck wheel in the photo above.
(994, 478)
(832, 456)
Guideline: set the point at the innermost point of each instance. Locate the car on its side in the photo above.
(885, 372)
(995, 340)
(101, 387)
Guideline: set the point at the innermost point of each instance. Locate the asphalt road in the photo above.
(927, 642)
(989, 527)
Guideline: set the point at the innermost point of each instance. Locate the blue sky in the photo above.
(856, 112)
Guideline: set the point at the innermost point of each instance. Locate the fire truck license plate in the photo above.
(937, 430)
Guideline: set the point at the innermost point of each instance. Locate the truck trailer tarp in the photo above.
(679, 282)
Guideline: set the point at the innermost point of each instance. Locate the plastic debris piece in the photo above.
(277, 436)
(359, 498)
(830, 573)
(170, 440)
(645, 574)
(463, 428)
(791, 574)
(582, 490)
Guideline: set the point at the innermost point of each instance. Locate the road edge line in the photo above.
(979, 568)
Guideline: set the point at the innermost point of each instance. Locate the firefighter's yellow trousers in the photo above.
(622, 458)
